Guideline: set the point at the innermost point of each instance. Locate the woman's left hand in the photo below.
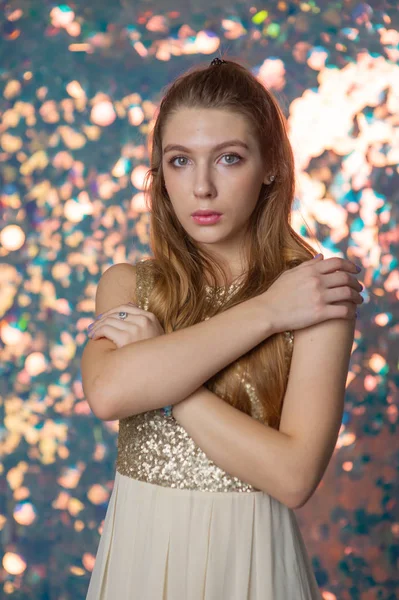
(138, 325)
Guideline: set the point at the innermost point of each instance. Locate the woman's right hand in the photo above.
(312, 292)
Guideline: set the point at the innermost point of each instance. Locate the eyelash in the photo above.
(172, 160)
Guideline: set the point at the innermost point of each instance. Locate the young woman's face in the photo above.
(217, 167)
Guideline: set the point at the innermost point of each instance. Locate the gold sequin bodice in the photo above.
(155, 448)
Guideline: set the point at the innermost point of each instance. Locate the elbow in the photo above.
(106, 409)
(104, 415)
(297, 501)
(301, 500)
(99, 409)
(99, 406)
(301, 496)
(295, 495)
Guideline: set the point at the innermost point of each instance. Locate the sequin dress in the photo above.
(178, 527)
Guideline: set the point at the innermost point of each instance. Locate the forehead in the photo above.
(205, 127)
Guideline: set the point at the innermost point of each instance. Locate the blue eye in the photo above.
(234, 156)
(230, 154)
(172, 160)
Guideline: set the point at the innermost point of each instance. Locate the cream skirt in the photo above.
(161, 543)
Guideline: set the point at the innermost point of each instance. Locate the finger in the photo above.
(342, 295)
(141, 317)
(117, 322)
(342, 310)
(335, 263)
(107, 329)
(341, 278)
(311, 261)
(130, 308)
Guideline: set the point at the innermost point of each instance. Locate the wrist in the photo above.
(263, 315)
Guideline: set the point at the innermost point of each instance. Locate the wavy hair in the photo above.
(178, 297)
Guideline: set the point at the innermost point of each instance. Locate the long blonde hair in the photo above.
(178, 297)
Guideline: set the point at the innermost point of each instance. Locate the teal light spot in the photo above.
(65, 8)
(357, 225)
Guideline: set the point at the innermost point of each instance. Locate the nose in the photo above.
(203, 184)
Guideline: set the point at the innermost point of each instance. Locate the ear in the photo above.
(268, 179)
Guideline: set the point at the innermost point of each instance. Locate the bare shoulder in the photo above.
(117, 286)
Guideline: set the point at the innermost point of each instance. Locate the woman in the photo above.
(226, 425)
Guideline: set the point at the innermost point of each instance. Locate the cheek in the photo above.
(173, 183)
(177, 194)
(242, 209)
(244, 193)
(244, 177)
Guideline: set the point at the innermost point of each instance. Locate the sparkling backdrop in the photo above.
(79, 84)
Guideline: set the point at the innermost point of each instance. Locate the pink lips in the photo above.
(207, 219)
(205, 213)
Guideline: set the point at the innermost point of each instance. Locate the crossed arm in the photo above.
(287, 464)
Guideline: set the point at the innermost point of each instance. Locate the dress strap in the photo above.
(288, 347)
(143, 283)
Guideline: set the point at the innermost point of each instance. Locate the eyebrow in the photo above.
(180, 148)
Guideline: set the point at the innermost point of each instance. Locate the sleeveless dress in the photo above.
(178, 527)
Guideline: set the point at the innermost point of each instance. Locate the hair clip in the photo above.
(217, 61)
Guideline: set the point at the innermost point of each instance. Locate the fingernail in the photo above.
(317, 255)
(98, 316)
(358, 269)
(91, 325)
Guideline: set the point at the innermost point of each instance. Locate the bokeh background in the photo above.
(79, 85)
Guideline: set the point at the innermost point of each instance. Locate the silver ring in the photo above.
(122, 315)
